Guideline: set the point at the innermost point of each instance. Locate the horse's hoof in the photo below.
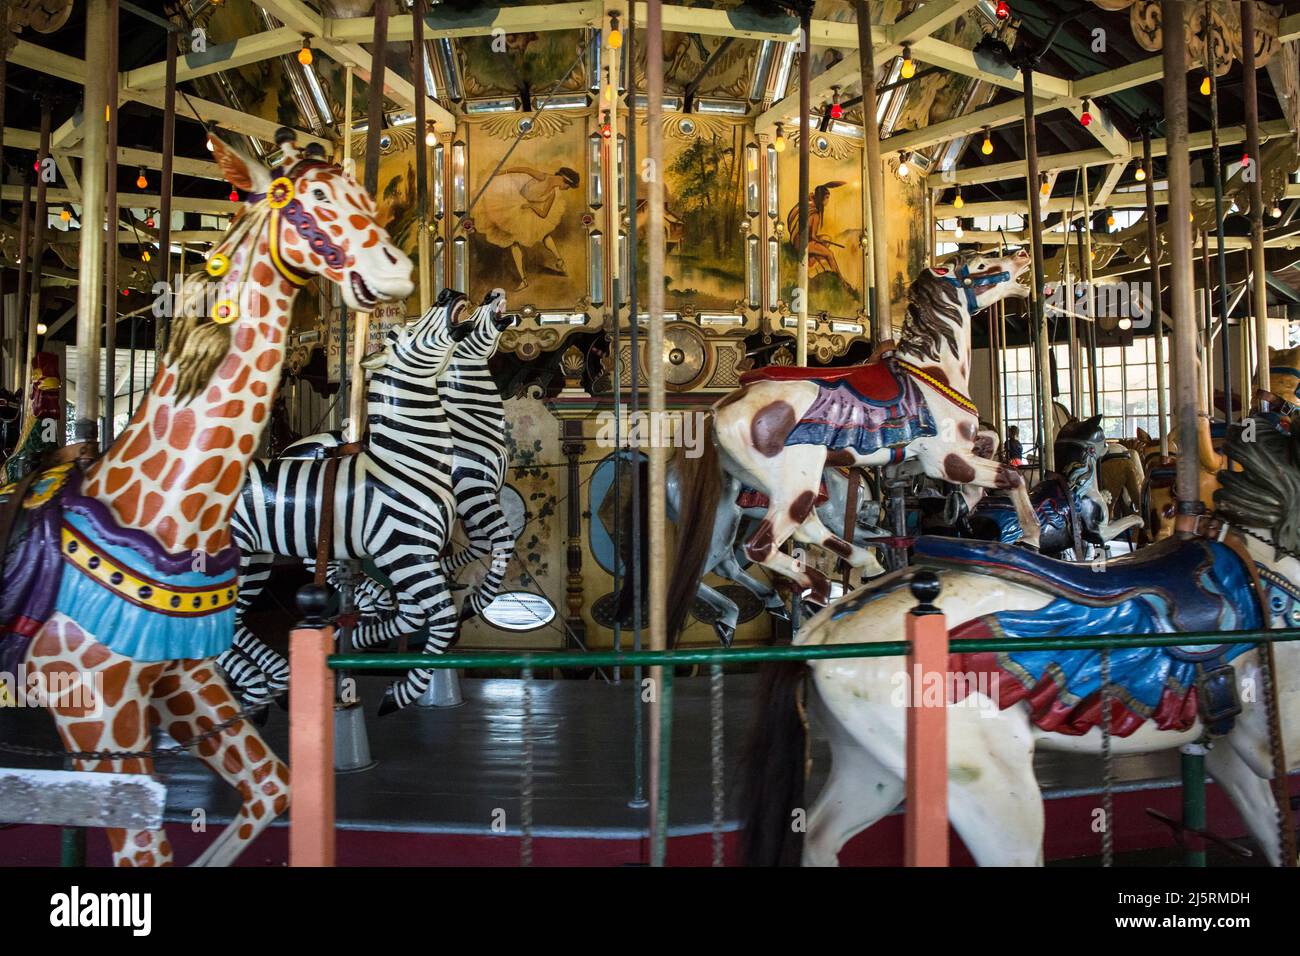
(820, 594)
(779, 611)
(389, 703)
(726, 633)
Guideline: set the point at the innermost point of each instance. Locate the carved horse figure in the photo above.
(125, 575)
(783, 426)
(1071, 510)
(1005, 705)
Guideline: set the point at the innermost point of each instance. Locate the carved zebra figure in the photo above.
(393, 500)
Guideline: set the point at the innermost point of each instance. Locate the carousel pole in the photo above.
(165, 189)
(995, 371)
(18, 344)
(882, 327)
(347, 115)
(1217, 164)
(421, 156)
(1039, 312)
(1090, 299)
(111, 252)
(11, 317)
(374, 127)
(1258, 266)
(805, 144)
(90, 292)
(1072, 330)
(40, 216)
(1207, 357)
(660, 677)
(634, 478)
(1187, 480)
(1153, 299)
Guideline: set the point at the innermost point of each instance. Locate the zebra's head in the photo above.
(422, 348)
(489, 321)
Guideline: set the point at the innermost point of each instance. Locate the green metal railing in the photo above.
(1194, 785)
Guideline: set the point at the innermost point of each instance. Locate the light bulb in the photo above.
(430, 137)
(779, 142)
(987, 147)
(144, 256)
(958, 232)
(958, 202)
(142, 181)
(1205, 85)
(1086, 116)
(908, 69)
(41, 328)
(65, 214)
(1140, 174)
(837, 111)
(1046, 189)
(234, 195)
(1276, 211)
(615, 34)
(1110, 220)
(1125, 323)
(903, 168)
(208, 144)
(1002, 11)
(1245, 159)
(304, 55)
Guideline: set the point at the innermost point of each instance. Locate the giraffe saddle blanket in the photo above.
(1175, 586)
(69, 555)
(862, 407)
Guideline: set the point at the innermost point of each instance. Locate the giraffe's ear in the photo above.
(240, 171)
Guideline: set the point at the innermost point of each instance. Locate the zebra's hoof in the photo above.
(389, 704)
(467, 611)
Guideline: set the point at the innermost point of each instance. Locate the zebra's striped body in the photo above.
(478, 427)
(392, 501)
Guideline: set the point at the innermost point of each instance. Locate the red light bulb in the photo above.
(837, 111)
(1245, 159)
(234, 195)
(1002, 11)
(1085, 118)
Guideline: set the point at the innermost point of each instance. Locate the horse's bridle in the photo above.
(968, 283)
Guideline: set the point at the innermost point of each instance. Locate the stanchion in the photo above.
(311, 733)
(1192, 763)
(926, 827)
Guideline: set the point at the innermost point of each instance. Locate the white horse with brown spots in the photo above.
(783, 426)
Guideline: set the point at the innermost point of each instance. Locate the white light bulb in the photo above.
(958, 232)
(903, 170)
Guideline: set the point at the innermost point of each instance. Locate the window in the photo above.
(1126, 385)
(1018, 393)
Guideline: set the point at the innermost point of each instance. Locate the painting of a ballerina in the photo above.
(522, 208)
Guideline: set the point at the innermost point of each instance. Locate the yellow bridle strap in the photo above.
(280, 265)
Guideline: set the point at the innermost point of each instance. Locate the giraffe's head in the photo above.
(423, 347)
(319, 222)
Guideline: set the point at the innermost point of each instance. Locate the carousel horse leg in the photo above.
(728, 615)
(994, 800)
(189, 698)
(961, 466)
(428, 591)
(118, 722)
(729, 567)
(859, 792)
(272, 665)
(1250, 793)
(790, 504)
(812, 531)
(248, 680)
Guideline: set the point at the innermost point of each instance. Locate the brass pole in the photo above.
(1187, 477)
(165, 184)
(1153, 300)
(40, 216)
(90, 293)
(421, 157)
(347, 115)
(1258, 268)
(1090, 299)
(1217, 166)
(112, 251)
(22, 307)
(658, 557)
(882, 326)
(374, 127)
(1039, 312)
(1071, 328)
(1207, 356)
(805, 143)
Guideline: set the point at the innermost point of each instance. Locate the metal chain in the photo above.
(526, 789)
(716, 741)
(215, 731)
(1108, 766)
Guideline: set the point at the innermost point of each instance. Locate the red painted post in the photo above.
(311, 734)
(926, 828)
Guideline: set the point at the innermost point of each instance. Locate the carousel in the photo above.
(739, 432)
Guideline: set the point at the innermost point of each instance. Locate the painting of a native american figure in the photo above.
(527, 210)
(704, 266)
(835, 257)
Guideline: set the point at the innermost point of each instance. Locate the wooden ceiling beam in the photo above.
(265, 45)
(445, 22)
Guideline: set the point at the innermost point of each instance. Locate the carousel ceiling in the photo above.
(242, 70)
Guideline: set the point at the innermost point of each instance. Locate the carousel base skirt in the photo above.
(446, 787)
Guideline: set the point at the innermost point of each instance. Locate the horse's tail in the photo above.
(700, 481)
(773, 768)
(629, 550)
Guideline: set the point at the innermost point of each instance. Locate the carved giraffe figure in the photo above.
(146, 585)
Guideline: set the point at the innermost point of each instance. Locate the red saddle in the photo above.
(875, 381)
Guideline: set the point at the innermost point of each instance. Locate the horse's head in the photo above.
(1078, 445)
(985, 278)
(319, 221)
(422, 348)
